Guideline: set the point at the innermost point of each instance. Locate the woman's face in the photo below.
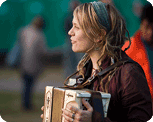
(80, 42)
(146, 29)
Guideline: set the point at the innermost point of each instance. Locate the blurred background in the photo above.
(15, 14)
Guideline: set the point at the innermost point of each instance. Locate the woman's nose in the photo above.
(71, 33)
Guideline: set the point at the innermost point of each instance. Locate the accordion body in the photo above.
(57, 98)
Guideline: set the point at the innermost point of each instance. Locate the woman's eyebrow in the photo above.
(74, 23)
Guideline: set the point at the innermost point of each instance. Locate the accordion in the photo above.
(57, 98)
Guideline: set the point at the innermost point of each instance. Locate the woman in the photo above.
(99, 32)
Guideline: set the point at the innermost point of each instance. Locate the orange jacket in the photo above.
(137, 52)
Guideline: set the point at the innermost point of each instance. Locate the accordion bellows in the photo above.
(57, 98)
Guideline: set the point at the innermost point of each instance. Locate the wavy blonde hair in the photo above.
(112, 42)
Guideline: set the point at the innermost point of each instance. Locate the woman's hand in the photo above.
(42, 116)
(78, 115)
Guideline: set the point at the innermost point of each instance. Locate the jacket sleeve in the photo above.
(131, 99)
(135, 94)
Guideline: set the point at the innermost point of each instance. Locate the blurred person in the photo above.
(127, 9)
(70, 59)
(32, 46)
(99, 31)
(137, 8)
(141, 48)
(107, 1)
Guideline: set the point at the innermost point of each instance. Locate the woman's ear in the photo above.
(103, 33)
(101, 36)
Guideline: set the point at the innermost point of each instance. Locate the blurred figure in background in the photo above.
(137, 8)
(70, 59)
(130, 10)
(107, 1)
(32, 45)
(141, 48)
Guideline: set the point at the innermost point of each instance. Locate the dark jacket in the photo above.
(130, 96)
(138, 53)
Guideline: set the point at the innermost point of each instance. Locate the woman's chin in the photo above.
(76, 51)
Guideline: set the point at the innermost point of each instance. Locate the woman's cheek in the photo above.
(74, 48)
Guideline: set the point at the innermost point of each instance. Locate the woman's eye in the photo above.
(76, 27)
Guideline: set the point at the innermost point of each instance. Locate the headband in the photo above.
(102, 14)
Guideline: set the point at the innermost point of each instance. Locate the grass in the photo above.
(10, 101)
(11, 110)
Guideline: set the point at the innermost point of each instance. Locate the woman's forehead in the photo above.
(75, 20)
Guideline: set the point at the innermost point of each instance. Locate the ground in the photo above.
(10, 93)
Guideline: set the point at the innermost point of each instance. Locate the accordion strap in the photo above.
(97, 104)
(103, 72)
(100, 74)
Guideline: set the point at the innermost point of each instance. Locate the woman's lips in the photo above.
(73, 42)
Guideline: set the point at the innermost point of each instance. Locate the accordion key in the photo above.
(58, 98)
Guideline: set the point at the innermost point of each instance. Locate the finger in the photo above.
(73, 109)
(42, 108)
(87, 105)
(67, 113)
(42, 116)
(67, 118)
